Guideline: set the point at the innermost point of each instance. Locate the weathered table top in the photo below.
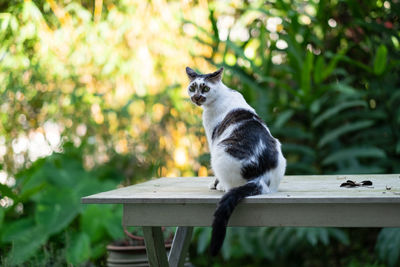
(300, 201)
(293, 189)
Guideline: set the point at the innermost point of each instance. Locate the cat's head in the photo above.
(203, 88)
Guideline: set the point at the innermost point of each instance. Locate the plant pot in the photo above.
(130, 252)
(124, 256)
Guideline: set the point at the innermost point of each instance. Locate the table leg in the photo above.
(180, 246)
(155, 246)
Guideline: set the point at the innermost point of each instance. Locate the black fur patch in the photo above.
(224, 211)
(233, 117)
(244, 140)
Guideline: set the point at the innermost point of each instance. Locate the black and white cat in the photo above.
(245, 157)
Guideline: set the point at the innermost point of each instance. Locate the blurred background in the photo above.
(93, 97)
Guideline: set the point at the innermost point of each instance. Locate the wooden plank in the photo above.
(293, 189)
(180, 246)
(255, 214)
(155, 246)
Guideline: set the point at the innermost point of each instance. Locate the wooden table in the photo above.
(301, 201)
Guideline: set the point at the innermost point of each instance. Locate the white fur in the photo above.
(220, 100)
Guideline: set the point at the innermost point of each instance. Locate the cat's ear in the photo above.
(215, 76)
(191, 74)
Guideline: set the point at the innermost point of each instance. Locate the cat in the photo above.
(246, 159)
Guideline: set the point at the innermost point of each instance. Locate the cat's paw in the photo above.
(212, 185)
(220, 187)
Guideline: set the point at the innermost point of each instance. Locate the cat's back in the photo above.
(241, 125)
(242, 148)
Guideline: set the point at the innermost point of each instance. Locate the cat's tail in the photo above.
(224, 210)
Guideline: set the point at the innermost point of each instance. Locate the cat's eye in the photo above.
(192, 88)
(206, 89)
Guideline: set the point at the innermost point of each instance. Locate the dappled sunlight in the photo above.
(120, 61)
(94, 98)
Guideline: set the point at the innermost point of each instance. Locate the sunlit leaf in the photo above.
(380, 60)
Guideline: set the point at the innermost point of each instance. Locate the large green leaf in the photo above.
(318, 69)
(228, 245)
(16, 229)
(5, 190)
(78, 248)
(326, 72)
(2, 212)
(344, 129)
(346, 89)
(113, 223)
(91, 222)
(298, 148)
(354, 152)
(388, 245)
(294, 132)
(27, 243)
(306, 74)
(336, 109)
(339, 235)
(283, 118)
(203, 240)
(108, 224)
(56, 209)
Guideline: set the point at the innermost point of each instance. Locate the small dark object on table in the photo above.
(350, 183)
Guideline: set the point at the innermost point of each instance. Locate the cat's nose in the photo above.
(196, 98)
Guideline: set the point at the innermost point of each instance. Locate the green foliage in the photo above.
(78, 248)
(388, 245)
(50, 193)
(322, 89)
(287, 246)
(324, 76)
(276, 243)
(380, 60)
(116, 123)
